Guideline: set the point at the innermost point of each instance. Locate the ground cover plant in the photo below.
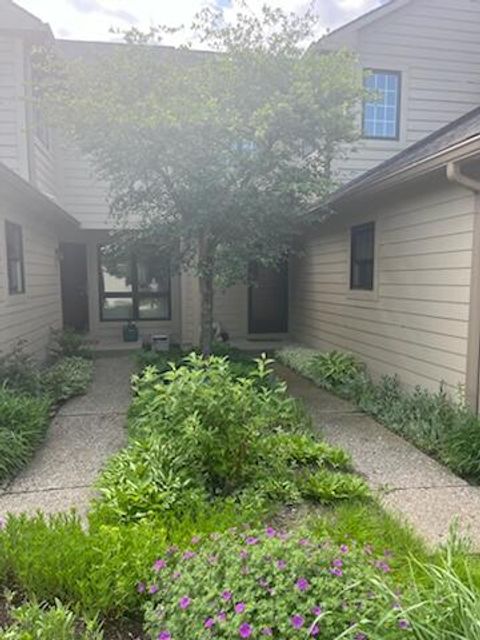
(438, 423)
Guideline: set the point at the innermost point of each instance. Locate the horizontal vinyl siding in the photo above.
(13, 150)
(83, 195)
(436, 46)
(230, 309)
(30, 316)
(415, 324)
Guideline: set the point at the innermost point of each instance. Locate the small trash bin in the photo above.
(160, 343)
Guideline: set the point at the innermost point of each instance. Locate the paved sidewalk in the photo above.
(425, 493)
(85, 433)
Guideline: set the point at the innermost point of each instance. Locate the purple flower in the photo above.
(344, 548)
(302, 584)
(281, 564)
(221, 616)
(317, 611)
(195, 540)
(244, 554)
(360, 636)
(176, 575)
(383, 566)
(315, 630)
(184, 602)
(227, 595)
(337, 563)
(141, 587)
(164, 635)
(336, 572)
(263, 583)
(245, 630)
(297, 621)
(304, 542)
(251, 540)
(267, 631)
(188, 555)
(403, 624)
(158, 565)
(209, 622)
(152, 589)
(240, 607)
(270, 532)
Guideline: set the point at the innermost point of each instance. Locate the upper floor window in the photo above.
(362, 254)
(135, 287)
(15, 265)
(381, 112)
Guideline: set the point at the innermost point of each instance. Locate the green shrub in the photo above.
(265, 584)
(67, 378)
(208, 435)
(335, 371)
(68, 343)
(19, 371)
(24, 421)
(32, 621)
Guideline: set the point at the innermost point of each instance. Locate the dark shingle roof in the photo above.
(456, 132)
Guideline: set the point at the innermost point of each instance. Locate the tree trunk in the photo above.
(206, 258)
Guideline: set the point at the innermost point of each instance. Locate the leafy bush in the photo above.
(32, 621)
(208, 435)
(67, 378)
(265, 584)
(68, 343)
(435, 422)
(24, 421)
(335, 371)
(19, 371)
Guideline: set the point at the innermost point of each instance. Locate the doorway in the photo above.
(73, 274)
(268, 300)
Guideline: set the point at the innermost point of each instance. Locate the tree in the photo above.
(215, 155)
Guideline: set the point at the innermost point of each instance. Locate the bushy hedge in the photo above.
(435, 422)
(69, 377)
(199, 434)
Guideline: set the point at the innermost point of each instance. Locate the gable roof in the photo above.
(15, 18)
(424, 156)
(364, 20)
(13, 185)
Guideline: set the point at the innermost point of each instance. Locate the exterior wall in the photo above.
(30, 315)
(415, 323)
(112, 331)
(13, 126)
(435, 44)
(231, 310)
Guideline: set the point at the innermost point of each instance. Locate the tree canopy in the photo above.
(215, 155)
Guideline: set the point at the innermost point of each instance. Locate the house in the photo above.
(390, 277)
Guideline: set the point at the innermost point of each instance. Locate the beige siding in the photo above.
(30, 316)
(13, 142)
(436, 46)
(231, 310)
(415, 323)
(83, 195)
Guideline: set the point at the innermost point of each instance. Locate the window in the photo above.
(15, 266)
(362, 256)
(381, 112)
(135, 287)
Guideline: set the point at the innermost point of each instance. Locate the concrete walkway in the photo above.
(84, 434)
(408, 482)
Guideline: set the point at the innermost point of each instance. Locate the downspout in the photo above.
(472, 379)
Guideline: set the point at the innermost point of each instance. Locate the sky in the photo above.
(93, 19)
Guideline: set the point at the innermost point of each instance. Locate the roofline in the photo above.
(458, 152)
(365, 19)
(20, 185)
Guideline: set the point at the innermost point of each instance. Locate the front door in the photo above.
(73, 273)
(268, 300)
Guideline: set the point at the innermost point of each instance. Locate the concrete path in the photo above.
(425, 493)
(84, 434)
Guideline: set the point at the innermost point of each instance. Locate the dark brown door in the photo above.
(74, 285)
(268, 300)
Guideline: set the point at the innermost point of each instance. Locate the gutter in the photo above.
(454, 174)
